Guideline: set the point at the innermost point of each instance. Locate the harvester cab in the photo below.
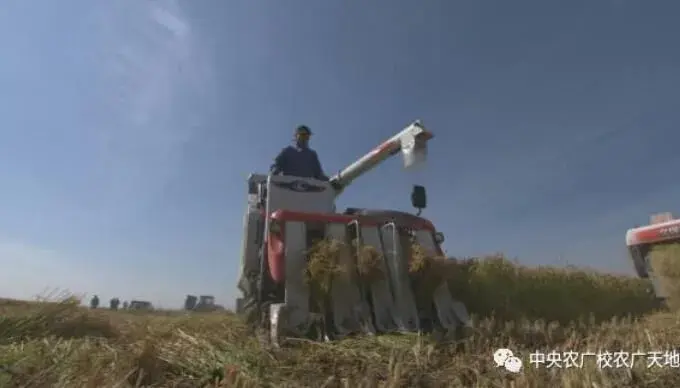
(287, 214)
(663, 229)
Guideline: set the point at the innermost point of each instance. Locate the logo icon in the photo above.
(300, 186)
(505, 358)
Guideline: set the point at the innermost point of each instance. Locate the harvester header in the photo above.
(663, 229)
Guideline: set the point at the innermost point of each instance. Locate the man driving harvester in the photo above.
(300, 160)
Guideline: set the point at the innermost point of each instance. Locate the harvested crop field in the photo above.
(524, 309)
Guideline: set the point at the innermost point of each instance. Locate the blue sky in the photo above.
(128, 128)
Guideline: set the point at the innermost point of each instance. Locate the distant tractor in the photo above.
(141, 305)
(190, 302)
(663, 229)
(203, 303)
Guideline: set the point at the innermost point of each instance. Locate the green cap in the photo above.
(303, 129)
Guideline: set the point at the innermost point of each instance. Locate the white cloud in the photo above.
(134, 71)
(151, 69)
(169, 20)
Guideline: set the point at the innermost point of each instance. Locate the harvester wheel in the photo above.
(255, 314)
(662, 304)
(263, 324)
(251, 315)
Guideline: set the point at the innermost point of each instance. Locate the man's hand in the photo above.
(336, 185)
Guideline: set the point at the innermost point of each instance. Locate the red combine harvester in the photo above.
(662, 230)
(286, 214)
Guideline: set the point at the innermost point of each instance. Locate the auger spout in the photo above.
(411, 142)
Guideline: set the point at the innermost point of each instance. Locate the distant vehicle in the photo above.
(190, 302)
(202, 303)
(140, 305)
(94, 302)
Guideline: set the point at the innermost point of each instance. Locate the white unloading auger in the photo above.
(411, 142)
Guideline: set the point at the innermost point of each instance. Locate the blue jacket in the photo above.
(297, 161)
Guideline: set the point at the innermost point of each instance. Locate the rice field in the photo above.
(558, 315)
